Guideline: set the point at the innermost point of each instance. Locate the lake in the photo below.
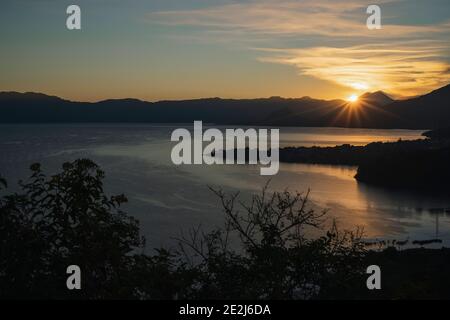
(168, 199)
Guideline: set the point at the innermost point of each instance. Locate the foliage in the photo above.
(62, 220)
(276, 260)
(262, 252)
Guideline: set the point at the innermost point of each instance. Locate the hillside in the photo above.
(372, 110)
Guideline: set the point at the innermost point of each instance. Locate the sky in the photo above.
(183, 49)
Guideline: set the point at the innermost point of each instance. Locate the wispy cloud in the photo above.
(401, 68)
(281, 17)
(395, 58)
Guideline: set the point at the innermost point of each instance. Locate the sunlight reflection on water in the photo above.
(167, 198)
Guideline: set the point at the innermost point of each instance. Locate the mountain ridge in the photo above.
(372, 110)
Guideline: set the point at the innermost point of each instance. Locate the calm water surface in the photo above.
(168, 198)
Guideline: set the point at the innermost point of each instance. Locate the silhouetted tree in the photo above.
(262, 252)
(274, 259)
(62, 220)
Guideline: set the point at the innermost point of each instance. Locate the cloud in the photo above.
(396, 58)
(294, 18)
(401, 68)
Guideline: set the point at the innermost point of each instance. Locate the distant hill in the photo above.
(373, 110)
(378, 98)
(428, 111)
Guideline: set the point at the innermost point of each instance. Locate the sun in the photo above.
(352, 98)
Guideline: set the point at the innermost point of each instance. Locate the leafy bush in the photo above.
(67, 219)
(62, 220)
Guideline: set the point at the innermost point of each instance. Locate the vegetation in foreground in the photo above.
(67, 219)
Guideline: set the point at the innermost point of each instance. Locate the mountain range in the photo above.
(372, 110)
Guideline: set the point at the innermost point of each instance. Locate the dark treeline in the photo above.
(425, 170)
(418, 164)
(348, 154)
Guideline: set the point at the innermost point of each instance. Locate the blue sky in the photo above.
(167, 49)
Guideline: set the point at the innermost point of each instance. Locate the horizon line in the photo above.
(211, 98)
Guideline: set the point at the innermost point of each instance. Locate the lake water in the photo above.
(168, 199)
